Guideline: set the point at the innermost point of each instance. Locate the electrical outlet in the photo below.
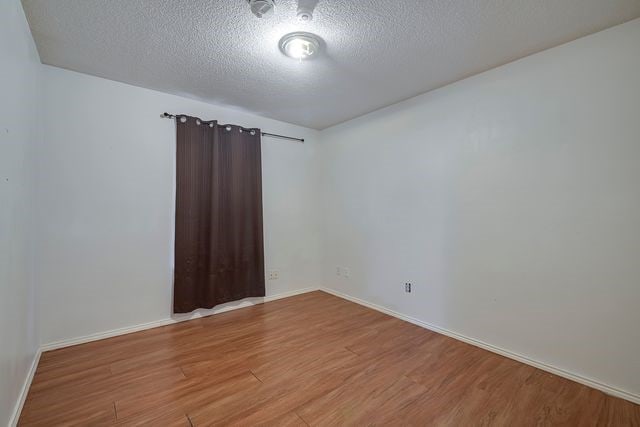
(346, 272)
(407, 287)
(274, 274)
(338, 269)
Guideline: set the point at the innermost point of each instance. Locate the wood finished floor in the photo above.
(312, 359)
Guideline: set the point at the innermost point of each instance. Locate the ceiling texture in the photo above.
(377, 52)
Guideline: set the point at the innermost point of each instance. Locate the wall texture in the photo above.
(510, 200)
(106, 201)
(19, 132)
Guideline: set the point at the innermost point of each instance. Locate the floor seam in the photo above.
(183, 374)
(261, 382)
(348, 349)
(300, 416)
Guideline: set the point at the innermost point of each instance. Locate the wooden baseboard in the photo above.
(613, 391)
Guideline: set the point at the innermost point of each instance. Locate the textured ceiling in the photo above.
(378, 52)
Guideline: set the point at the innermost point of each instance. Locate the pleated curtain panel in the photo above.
(219, 249)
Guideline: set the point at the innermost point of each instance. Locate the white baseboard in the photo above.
(25, 390)
(127, 330)
(254, 301)
(141, 327)
(635, 398)
(171, 320)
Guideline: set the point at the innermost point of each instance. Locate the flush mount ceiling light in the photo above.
(300, 45)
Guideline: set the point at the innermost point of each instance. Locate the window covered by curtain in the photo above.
(219, 252)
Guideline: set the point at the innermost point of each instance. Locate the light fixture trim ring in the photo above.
(313, 43)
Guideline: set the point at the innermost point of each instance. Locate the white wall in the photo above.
(106, 201)
(511, 201)
(19, 81)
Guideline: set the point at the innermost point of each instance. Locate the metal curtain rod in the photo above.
(272, 135)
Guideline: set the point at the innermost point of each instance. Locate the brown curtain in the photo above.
(219, 252)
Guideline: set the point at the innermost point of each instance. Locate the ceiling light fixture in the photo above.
(300, 45)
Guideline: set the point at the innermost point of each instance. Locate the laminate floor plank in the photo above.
(268, 400)
(309, 360)
(186, 396)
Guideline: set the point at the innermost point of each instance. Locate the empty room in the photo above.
(319, 213)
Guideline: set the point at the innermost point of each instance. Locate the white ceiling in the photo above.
(378, 52)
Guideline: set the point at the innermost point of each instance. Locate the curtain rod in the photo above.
(272, 135)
